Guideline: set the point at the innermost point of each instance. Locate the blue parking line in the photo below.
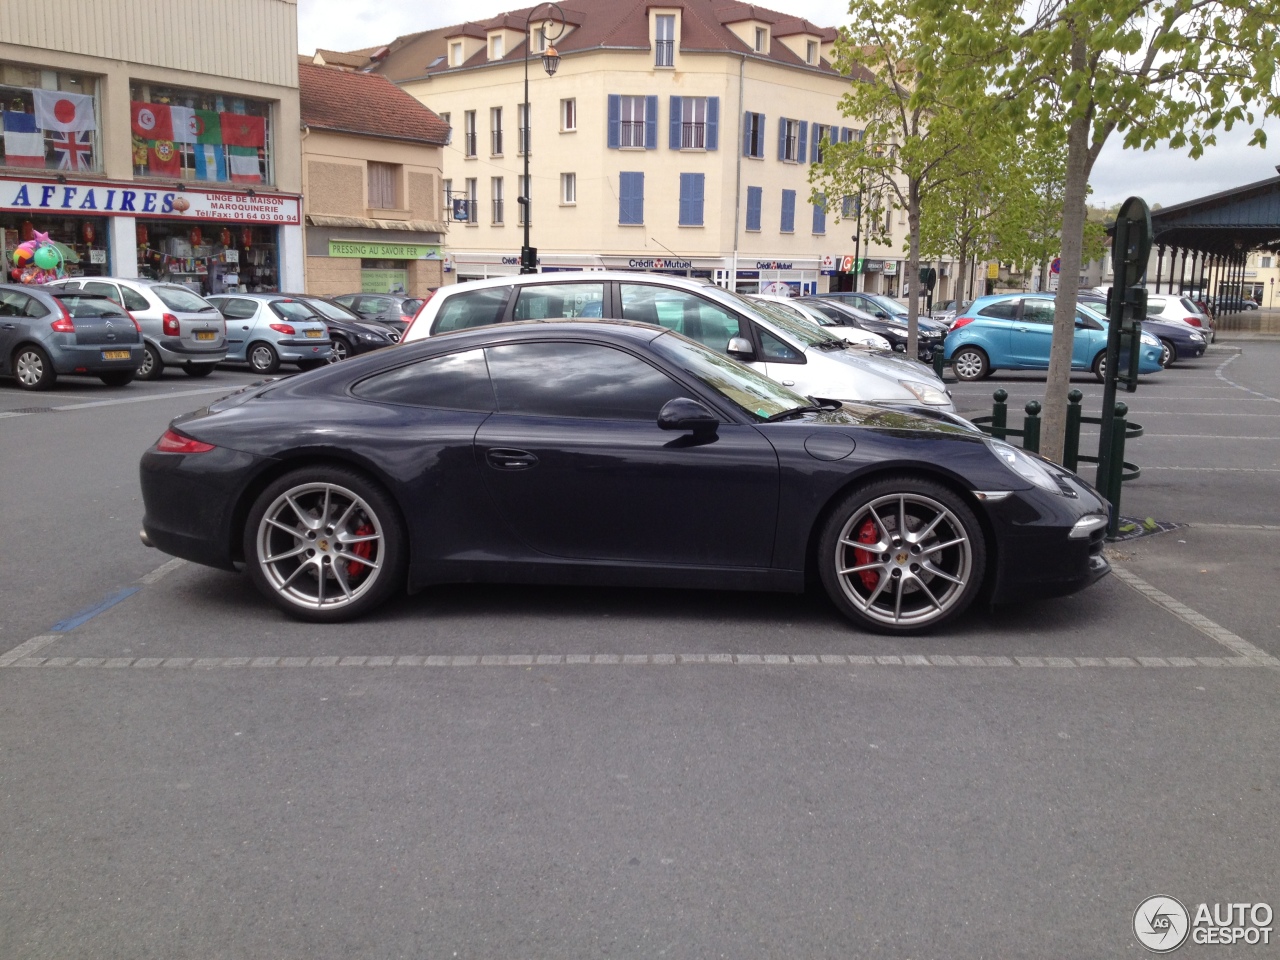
(84, 616)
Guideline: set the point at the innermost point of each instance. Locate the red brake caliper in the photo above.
(362, 549)
(866, 534)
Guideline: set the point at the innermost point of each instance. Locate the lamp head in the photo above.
(551, 61)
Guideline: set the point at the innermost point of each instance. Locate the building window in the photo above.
(695, 123)
(526, 208)
(522, 118)
(447, 118)
(495, 186)
(691, 194)
(762, 40)
(199, 135)
(755, 197)
(753, 136)
(819, 132)
(1266, 263)
(850, 207)
(450, 210)
(455, 54)
(495, 47)
(50, 120)
(568, 115)
(630, 198)
(540, 40)
(792, 140)
(569, 188)
(811, 52)
(632, 121)
(820, 216)
(495, 131)
(469, 133)
(788, 211)
(473, 196)
(664, 46)
(382, 185)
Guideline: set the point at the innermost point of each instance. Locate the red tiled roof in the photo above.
(366, 104)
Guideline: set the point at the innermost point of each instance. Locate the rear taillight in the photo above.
(175, 442)
(63, 324)
(135, 321)
(171, 326)
(284, 328)
(960, 322)
(1194, 321)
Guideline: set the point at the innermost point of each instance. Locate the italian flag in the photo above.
(244, 165)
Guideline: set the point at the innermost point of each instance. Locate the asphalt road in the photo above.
(518, 772)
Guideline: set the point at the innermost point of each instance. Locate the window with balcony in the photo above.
(495, 188)
(526, 208)
(695, 123)
(495, 131)
(522, 119)
(792, 140)
(633, 122)
(473, 197)
(664, 44)
(819, 132)
(753, 136)
(469, 134)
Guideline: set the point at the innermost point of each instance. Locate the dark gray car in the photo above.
(46, 333)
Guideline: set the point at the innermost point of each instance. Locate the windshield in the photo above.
(890, 306)
(739, 384)
(806, 334)
(181, 299)
(333, 311)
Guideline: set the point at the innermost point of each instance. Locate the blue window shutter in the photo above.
(845, 134)
(802, 148)
(699, 185)
(788, 211)
(677, 117)
(820, 217)
(686, 194)
(817, 143)
(691, 198)
(713, 123)
(746, 134)
(615, 120)
(631, 198)
(782, 138)
(754, 196)
(651, 123)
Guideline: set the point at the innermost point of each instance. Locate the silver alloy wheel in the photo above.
(339, 351)
(967, 365)
(148, 363)
(1167, 355)
(916, 568)
(29, 368)
(262, 358)
(320, 546)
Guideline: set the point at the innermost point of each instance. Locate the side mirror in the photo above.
(740, 348)
(685, 414)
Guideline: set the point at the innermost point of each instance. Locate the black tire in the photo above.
(120, 378)
(341, 350)
(152, 365)
(198, 370)
(262, 357)
(318, 574)
(1168, 353)
(305, 365)
(33, 368)
(1100, 366)
(936, 578)
(970, 363)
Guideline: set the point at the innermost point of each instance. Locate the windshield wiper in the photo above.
(816, 406)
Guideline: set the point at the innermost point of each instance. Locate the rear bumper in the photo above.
(88, 359)
(173, 350)
(293, 350)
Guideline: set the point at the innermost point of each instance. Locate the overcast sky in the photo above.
(1161, 176)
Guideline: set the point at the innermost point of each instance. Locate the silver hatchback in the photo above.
(265, 330)
(179, 327)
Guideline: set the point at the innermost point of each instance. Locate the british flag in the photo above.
(73, 150)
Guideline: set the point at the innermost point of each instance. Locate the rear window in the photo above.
(1004, 310)
(84, 307)
(180, 298)
(472, 308)
(292, 310)
(1189, 305)
(332, 311)
(410, 307)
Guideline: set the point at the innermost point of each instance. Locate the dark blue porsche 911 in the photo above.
(601, 452)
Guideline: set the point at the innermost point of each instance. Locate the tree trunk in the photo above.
(1053, 427)
(913, 267)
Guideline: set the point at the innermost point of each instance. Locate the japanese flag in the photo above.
(64, 112)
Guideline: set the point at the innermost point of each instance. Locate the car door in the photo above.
(1090, 337)
(578, 467)
(15, 314)
(1031, 334)
(239, 313)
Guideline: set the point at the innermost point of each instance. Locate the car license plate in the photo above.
(314, 333)
(115, 354)
(206, 335)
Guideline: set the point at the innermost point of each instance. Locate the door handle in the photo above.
(788, 383)
(11, 326)
(508, 458)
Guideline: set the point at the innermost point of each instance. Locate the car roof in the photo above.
(622, 329)
(591, 276)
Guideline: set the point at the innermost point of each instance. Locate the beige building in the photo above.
(371, 160)
(674, 137)
(154, 138)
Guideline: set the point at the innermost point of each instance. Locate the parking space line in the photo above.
(1235, 526)
(1225, 379)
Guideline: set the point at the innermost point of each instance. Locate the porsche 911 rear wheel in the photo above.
(901, 555)
(325, 544)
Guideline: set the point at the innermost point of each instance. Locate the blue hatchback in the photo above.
(1014, 331)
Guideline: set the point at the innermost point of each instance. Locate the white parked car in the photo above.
(1179, 309)
(793, 352)
(802, 311)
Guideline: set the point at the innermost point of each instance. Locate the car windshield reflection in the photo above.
(737, 383)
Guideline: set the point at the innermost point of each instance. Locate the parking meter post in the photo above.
(1071, 447)
(1000, 414)
(1031, 427)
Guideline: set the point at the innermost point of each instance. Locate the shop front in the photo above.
(213, 242)
(351, 259)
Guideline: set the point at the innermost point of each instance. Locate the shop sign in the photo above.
(873, 266)
(383, 251)
(827, 263)
(993, 271)
(773, 265)
(97, 256)
(891, 268)
(637, 264)
(118, 200)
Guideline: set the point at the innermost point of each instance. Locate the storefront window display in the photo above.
(49, 120)
(383, 276)
(200, 136)
(81, 240)
(209, 257)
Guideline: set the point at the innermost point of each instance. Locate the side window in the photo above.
(35, 308)
(472, 308)
(686, 313)
(13, 304)
(1038, 311)
(109, 290)
(459, 381)
(1004, 310)
(539, 301)
(235, 309)
(773, 349)
(133, 300)
(579, 380)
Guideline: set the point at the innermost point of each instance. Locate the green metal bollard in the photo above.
(1000, 414)
(1071, 446)
(1031, 427)
(937, 362)
(1116, 472)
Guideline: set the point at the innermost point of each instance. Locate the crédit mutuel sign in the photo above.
(117, 200)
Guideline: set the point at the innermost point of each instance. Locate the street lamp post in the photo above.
(550, 61)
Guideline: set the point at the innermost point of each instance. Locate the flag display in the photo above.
(163, 159)
(23, 142)
(239, 130)
(211, 162)
(63, 112)
(151, 121)
(244, 165)
(208, 127)
(74, 150)
(183, 120)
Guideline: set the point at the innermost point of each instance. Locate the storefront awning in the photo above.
(366, 223)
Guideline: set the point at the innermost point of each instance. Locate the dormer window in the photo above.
(455, 54)
(495, 47)
(762, 40)
(540, 40)
(811, 52)
(664, 44)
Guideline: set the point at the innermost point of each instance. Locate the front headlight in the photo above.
(1196, 338)
(373, 337)
(1150, 340)
(1024, 465)
(925, 393)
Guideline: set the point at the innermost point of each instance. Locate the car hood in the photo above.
(892, 417)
